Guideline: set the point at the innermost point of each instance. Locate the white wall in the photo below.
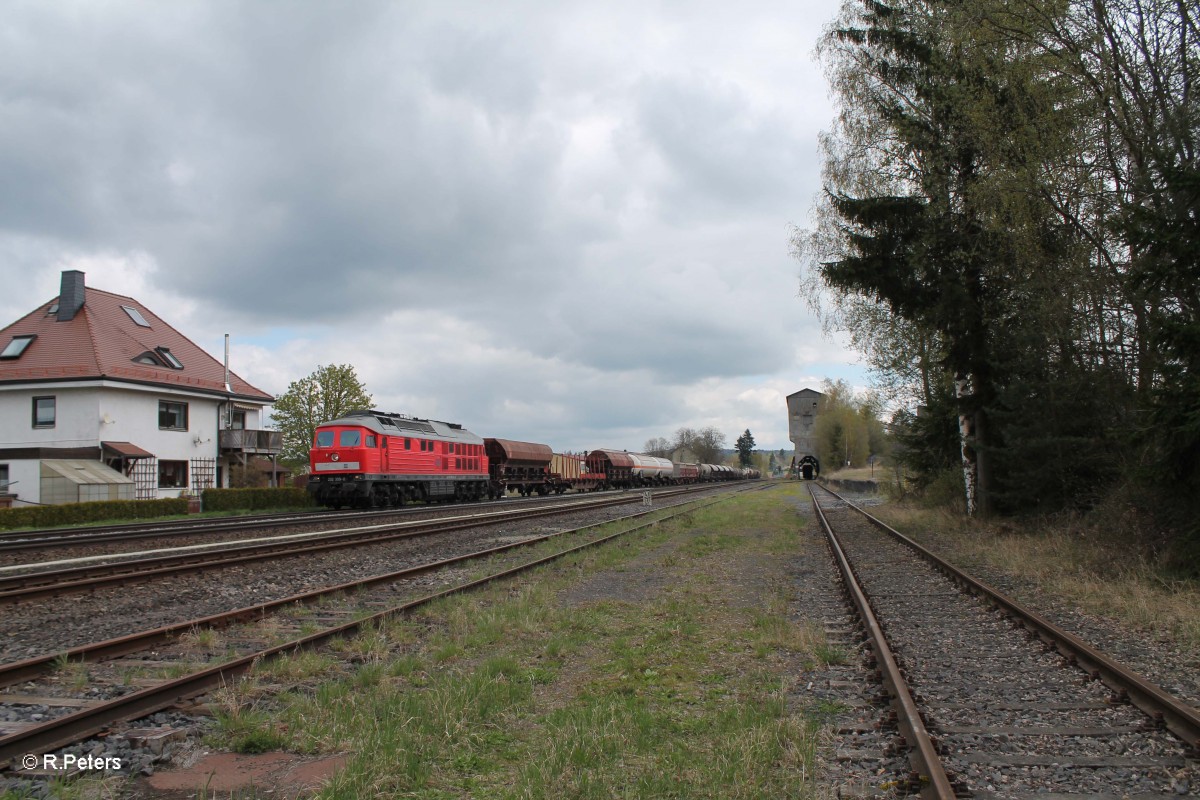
(89, 413)
(76, 422)
(25, 481)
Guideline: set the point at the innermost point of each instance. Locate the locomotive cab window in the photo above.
(350, 439)
(324, 438)
(370, 440)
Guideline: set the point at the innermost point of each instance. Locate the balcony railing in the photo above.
(247, 441)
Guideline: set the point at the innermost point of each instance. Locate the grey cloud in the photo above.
(723, 154)
(597, 193)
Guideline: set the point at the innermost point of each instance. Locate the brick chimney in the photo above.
(70, 297)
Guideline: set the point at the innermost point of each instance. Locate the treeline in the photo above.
(705, 444)
(848, 430)
(1009, 236)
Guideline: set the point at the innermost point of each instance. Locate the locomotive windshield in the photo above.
(324, 438)
(350, 438)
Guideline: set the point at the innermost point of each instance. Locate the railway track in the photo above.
(49, 579)
(987, 699)
(17, 541)
(142, 670)
(50, 538)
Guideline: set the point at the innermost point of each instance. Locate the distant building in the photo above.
(684, 455)
(100, 398)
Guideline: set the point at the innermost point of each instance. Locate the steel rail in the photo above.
(48, 583)
(42, 538)
(88, 721)
(1180, 718)
(13, 541)
(929, 777)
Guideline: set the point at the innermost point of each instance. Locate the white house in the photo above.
(100, 398)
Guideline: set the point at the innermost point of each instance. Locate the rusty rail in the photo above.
(929, 776)
(1180, 718)
(49, 583)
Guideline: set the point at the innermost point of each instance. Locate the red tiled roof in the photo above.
(102, 341)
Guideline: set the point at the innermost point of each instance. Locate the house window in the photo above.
(169, 357)
(3, 477)
(238, 421)
(43, 412)
(17, 346)
(172, 474)
(136, 316)
(172, 416)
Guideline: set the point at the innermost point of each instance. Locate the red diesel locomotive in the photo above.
(374, 460)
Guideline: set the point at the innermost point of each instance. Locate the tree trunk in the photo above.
(966, 438)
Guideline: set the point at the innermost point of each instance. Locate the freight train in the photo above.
(373, 459)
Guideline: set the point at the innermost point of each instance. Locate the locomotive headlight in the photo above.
(334, 457)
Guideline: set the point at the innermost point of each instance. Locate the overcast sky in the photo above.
(564, 222)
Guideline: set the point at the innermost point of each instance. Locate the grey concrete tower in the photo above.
(803, 407)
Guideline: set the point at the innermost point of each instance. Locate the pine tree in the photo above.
(745, 448)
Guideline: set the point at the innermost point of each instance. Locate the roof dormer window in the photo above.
(52, 310)
(18, 345)
(136, 316)
(169, 357)
(159, 357)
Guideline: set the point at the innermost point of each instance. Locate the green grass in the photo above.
(656, 666)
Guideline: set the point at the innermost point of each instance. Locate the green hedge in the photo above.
(80, 513)
(255, 499)
(100, 511)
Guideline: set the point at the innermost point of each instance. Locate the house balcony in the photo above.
(247, 441)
